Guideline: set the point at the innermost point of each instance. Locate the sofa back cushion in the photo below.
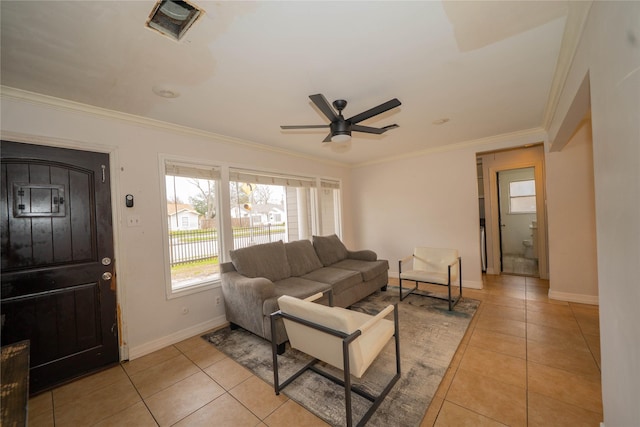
(329, 249)
(266, 260)
(302, 257)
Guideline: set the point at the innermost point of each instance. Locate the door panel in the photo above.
(56, 227)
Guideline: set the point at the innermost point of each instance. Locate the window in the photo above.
(192, 232)
(522, 196)
(261, 207)
(269, 207)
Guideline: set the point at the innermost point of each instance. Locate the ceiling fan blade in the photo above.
(323, 105)
(328, 138)
(375, 111)
(304, 127)
(366, 129)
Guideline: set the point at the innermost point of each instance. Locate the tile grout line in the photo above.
(144, 402)
(585, 338)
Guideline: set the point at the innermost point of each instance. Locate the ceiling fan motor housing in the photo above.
(341, 127)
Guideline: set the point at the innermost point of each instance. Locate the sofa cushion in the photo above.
(294, 286)
(329, 249)
(368, 269)
(338, 278)
(302, 257)
(266, 260)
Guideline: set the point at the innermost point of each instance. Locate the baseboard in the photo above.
(150, 347)
(490, 271)
(579, 298)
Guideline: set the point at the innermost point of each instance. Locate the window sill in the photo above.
(193, 289)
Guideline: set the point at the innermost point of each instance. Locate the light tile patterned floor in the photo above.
(524, 361)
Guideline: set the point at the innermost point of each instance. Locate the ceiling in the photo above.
(245, 68)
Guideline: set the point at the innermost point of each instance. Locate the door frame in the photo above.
(114, 169)
(541, 204)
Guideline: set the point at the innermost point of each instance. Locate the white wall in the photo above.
(572, 220)
(609, 53)
(150, 320)
(426, 200)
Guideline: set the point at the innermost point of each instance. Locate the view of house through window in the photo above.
(194, 241)
(268, 207)
(263, 207)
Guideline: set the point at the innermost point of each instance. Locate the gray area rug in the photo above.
(429, 337)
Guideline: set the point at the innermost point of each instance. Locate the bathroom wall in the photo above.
(516, 225)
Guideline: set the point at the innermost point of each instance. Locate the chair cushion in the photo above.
(266, 260)
(362, 351)
(329, 249)
(302, 257)
(430, 276)
(431, 265)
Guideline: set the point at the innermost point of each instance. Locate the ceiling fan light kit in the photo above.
(340, 127)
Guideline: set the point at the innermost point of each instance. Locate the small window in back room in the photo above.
(522, 196)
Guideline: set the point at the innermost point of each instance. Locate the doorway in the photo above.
(518, 221)
(490, 165)
(57, 260)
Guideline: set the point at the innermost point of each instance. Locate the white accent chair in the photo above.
(438, 266)
(345, 339)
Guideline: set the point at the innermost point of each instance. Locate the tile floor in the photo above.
(524, 361)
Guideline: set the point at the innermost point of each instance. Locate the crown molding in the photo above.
(67, 105)
(573, 29)
(509, 140)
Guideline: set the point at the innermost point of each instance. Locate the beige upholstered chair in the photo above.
(345, 339)
(437, 266)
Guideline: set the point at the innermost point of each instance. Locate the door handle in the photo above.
(106, 276)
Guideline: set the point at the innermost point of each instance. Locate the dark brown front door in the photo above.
(57, 260)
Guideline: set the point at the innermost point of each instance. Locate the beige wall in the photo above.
(572, 220)
(151, 321)
(426, 200)
(609, 57)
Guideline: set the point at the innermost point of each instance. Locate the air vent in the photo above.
(173, 17)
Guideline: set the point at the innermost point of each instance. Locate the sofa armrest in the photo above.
(255, 289)
(362, 255)
(244, 298)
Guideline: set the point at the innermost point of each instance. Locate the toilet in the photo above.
(530, 245)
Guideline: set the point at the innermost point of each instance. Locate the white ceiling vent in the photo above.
(172, 17)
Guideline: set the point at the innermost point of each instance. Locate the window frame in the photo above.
(203, 285)
(511, 198)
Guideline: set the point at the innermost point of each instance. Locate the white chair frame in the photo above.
(347, 339)
(452, 302)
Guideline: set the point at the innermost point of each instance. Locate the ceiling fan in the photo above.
(341, 128)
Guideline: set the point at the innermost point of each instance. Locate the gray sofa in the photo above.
(258, 275)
